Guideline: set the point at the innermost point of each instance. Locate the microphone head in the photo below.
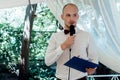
(72, 30)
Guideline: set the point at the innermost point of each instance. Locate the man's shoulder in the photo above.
(57, 33)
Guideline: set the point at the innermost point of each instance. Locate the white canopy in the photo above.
(16, 3)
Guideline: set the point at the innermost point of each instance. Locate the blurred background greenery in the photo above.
(11, 32)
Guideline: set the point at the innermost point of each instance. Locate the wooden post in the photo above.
(24, 56)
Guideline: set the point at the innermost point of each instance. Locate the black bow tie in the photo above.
(66, 31)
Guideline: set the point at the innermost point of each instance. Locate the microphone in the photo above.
(72, 30)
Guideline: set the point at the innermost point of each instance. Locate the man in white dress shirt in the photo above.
(62, 47)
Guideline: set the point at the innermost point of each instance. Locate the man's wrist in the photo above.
(63, 46)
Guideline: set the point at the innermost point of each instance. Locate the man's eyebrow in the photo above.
(72, 14)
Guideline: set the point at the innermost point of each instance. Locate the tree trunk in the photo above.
(24, 59)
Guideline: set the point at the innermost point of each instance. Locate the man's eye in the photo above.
(68, 15)
(75, 14)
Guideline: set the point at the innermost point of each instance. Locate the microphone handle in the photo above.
(69, 67)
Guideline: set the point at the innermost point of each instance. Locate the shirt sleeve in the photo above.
(92, 50)
(53, 52)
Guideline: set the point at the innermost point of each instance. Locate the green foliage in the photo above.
(11, 41)
(37, 67)
(39, 40)
(45, 20)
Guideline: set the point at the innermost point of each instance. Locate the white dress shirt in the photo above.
(83, 47)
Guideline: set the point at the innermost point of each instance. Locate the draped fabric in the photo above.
(16, 3)
(102, 19)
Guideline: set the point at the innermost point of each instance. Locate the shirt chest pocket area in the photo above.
(80, 46)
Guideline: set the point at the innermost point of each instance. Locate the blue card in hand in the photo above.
(80, 64)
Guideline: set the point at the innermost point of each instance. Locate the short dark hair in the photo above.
(67, 5)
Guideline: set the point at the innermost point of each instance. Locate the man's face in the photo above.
(70, 16)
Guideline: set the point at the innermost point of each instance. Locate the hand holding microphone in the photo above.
(70, 40)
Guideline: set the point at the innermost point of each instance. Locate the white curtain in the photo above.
(102, 19)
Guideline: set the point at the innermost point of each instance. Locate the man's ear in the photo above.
(62, 16)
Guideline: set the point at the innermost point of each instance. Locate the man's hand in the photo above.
(90, 70)
(68, 42)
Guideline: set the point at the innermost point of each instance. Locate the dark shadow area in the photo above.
(6, 74)
(103, 70)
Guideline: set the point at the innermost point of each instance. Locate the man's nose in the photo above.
(71, 17)
(72, 20)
